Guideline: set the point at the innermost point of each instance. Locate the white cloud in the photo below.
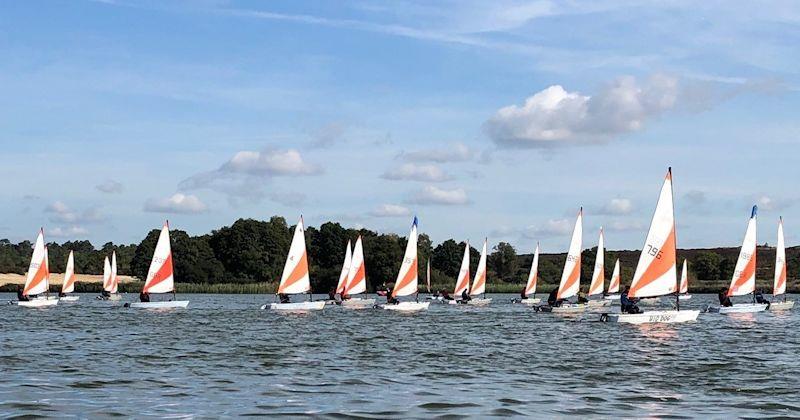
(390, 210)
(61, 213)
(269, 163)
(770, 203)
(110, 187)
(177, 203)
(415, 172)
(431, 195)
(617, 207)
(553, 227)
(69, 232)
(455, 152)
(554, 116)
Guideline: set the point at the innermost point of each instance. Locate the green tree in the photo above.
(706, 265)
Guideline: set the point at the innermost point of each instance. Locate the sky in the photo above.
(485, 119)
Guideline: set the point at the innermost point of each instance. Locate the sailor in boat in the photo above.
(553, 300)
(144, 297)
(332, 294)
(582, 298)
(62, 294)
(759, 297)
(465, 296)
(445, 295)
(284, 298)
(21, 296)
(390, 300)
(104, 295)
(523, 295)
(724, 299)
(627, 305)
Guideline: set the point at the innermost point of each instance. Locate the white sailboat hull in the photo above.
(530, 301)
(569, 308)
(684, 297)
(739, 308)
(160, 305)
(408, 306)
(37, 303)
(781, 306)
(480, 301)
(69, 298)
(615, 296)
(296, 306)
(358, 303)
(652, 317)
(113, 297)
(593, 303)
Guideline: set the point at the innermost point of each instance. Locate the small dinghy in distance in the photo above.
(598, 276)
(656, 271)
(38, 278)
(479, 282)
(340, 285)
(743, 281)
(571, 275)
(407, 282)
(68, 286)
(356, 281)
(683, 292)
(160, 276)
(462, 281)
(613, 286)
(779, 282)
(533, 277)
(295, 280)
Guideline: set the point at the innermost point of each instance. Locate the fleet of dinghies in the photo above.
(656, 276)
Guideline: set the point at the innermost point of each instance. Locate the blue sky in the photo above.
(495, 119)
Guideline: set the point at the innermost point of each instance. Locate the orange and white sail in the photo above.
(462, 281)
(533, 275)
(408, 277)
(479, 283)
(69, 275)
(779, 284)
(655, 273)
(428, 275)
(114, 282)
(684, 279)
(160, 276)
(571, 276)
(106, 275)
(744, 275)
(613, 285)
(36, 280)
(356, 276)
(348, 258)
(599, 274)
(295, 272)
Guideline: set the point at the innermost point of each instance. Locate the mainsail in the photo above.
(571, 276)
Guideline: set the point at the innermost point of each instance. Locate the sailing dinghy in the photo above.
(571, 276)
(462, 281)
(743, 281)
(348, 258)
(613, 286)
(683, 292)
(656, 273)
(68, 286)
(294, 279)
(598, 276)
(113, 282)
(37, 279)
(356, 281)
(408, 278)
(533, 276)
(161, 276)
(779, 283)
(106, 294)
(479, 282)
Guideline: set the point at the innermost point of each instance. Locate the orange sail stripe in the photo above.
(162, 274)
(533, 284)
(41, 274)
(480, 282)
(781, 278)
(749, 271)
(360, 275)
(658, 266)
(573, 277)
(464, 281)
(300, 270)
(68, 282)
(412, 271)
(597, 284)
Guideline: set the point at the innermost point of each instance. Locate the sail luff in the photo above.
(161, 275)
(530, 285)
(348, 258)
(36, 278)
(479, 282)
(462, 281)
(598, 275)
(407, 280)
(779, 282)
(356, 276)
(743, 281)
(613, 286)
(571, 275)
(68, 286)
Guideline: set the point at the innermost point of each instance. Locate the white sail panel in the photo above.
(36, 279)
(599, 274)
(533, 275)
(348, 258)
(114, 282)
(655, 273)
(684, 279)
(613, 286)
(408, 277)
(69, 275)
(479, 283)
(462, 281)
(779, 283)
(160, 276)
(571, 276)
(295, 272)
(106, 275)
(744, 275)
(356, 275)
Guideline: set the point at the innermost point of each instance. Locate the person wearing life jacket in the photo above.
(626, 304)
(144, 297)
(759, 297)
(582, 298)
(284, 298)
(445, 295)
(552, 298)
(391, 300)
(332, 294)
(21, 296)
(523, 295)
(724, 299)
(465, 297)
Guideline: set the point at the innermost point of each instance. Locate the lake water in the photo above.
(224, 356)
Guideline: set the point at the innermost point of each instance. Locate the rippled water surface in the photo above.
(224, 356)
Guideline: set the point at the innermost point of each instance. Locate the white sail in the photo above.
(114, 282)
(295, 272)
(348, 257)
(613, 286)
(356, 275)
(408, 277)
(36, 280)
(479, 283)
(599, 274)
(533, 275)
(655, 273)
(160, 276)
(68, 286)
(571, 276)
(744, 275)
(462, 281)
(779, 283)
(46, 269)
(684, 279)
(106, 275)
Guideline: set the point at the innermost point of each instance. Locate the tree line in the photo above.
(254, 251)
